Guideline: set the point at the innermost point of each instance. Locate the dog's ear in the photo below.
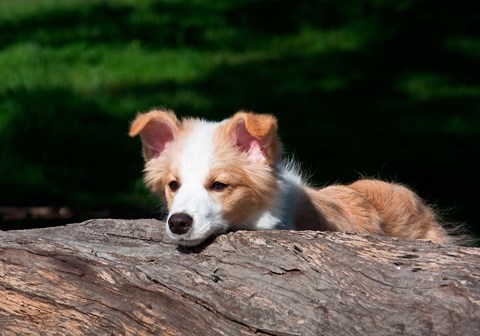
(255, 135)
(157, 128)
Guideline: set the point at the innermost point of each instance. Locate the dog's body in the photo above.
(217, 176)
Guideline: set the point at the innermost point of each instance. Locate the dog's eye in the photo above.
(218, 186)
(174, 185)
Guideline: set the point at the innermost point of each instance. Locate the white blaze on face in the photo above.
(192, 198)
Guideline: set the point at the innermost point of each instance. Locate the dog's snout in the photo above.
(180, 223)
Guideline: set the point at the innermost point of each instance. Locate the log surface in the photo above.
(124, 277)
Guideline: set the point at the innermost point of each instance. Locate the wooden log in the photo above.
(123, 277)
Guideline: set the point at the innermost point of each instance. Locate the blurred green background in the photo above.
(381, 88)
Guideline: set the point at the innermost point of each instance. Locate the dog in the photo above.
(230, 175)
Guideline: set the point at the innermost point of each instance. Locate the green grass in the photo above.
(434, 86)
(467, 45)
(86, 68)
(377, 87)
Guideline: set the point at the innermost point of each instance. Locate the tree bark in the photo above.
(123, 277)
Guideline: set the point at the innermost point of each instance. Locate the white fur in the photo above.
(193, 198)
(195, 161)
(280, 215)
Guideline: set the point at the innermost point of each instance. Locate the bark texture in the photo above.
(123, 277)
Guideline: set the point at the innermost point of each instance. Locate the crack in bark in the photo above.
(148, 240)
(49, 300)
(208, 307)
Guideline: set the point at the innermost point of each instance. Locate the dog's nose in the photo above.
(180, 223)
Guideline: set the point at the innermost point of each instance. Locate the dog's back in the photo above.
(370, 206)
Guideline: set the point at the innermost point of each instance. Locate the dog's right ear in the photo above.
(256, 136)
(157, 128)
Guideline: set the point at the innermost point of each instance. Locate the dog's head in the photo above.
(213, 175)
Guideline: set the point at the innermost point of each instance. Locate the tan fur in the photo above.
(140, 123)
(261, 126)
(142, 119)
(252, 187)
(159, 172)
(369, 206)
(366, 206)
(403, 214)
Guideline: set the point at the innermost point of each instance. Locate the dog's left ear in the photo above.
(256, 135)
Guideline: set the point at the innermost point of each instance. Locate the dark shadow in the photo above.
(61, 149)
(198, 248)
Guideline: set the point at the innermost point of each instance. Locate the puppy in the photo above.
(217, 176)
